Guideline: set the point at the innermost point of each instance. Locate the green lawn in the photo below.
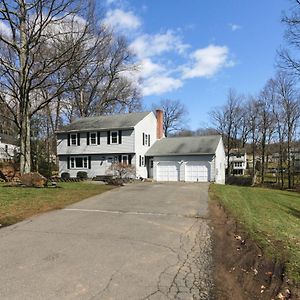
(18, 203)
(271, 217)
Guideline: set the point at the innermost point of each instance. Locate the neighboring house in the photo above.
(8, 147)
(94, 144)
(237, 162)
(194, 159)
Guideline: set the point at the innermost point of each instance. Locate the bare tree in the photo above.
(252, 110)
(265, 122)
(288, 57)
(286, 107)
(175, 114)
(42, 38)
(103, 85)
(227, 121)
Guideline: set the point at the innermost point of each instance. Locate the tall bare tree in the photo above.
(103, 86)
(41, 38)
(227, 120)
(175, 114)
(287, 113)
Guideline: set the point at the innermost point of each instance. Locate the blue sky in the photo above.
(195, 50)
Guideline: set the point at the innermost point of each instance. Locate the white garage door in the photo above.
(196, 171)
(168, 171)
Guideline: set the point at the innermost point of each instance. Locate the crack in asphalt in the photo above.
(190, 276)
(123, 212)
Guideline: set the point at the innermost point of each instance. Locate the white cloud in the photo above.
(148, 45)
(157, 85)
(206, 62)
(234, 27)
(4, 29)
(122, 20)
(148, 67)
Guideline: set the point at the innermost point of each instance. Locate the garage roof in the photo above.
(192, 145)
(119, 121)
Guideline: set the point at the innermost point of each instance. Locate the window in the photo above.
(143, 161)
(80, 162)
(6, 148)
(125, 159)
(93, 138)
(74, 139)
(146, 139)
(114, 137)
(238, 164)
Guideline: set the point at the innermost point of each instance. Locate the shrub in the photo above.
(82, 175)
(65, 175)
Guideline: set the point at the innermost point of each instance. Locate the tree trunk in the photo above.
(25, 159)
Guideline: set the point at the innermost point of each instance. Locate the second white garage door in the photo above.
(168, 171)
(196, 172)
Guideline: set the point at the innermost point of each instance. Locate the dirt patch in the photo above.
(241, 271)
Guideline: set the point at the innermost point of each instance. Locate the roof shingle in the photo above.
(194, 145)
(119, 121)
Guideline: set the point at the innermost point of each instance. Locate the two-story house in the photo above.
(93, 144)
(237, 162)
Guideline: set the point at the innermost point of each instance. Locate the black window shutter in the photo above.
(149, 140)
(129, 159)
(98, 137)
(90, 162)
(87, 138)
(68, 162)
(78, 139)
(69, 136)
(143, 138)
(108, 137)
(140, 163)
(120, 158)
(120, 136)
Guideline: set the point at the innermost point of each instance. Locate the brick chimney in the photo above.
(159, 122)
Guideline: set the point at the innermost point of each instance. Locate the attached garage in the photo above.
(168, 171)
(190, 159)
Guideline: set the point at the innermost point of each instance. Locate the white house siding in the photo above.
(208, 160)
(220, 163)
(147, 126)
(7, 151)
(127, 145)
(99, 165)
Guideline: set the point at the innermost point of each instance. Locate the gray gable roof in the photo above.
(194, 145)
(8, 139)
(119, 121)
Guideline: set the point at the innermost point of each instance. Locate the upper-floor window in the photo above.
(93, 138)
(238, 164)
(73, 138)
(114, 137)
(146, 139)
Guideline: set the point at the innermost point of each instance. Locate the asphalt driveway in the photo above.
(141, 241)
